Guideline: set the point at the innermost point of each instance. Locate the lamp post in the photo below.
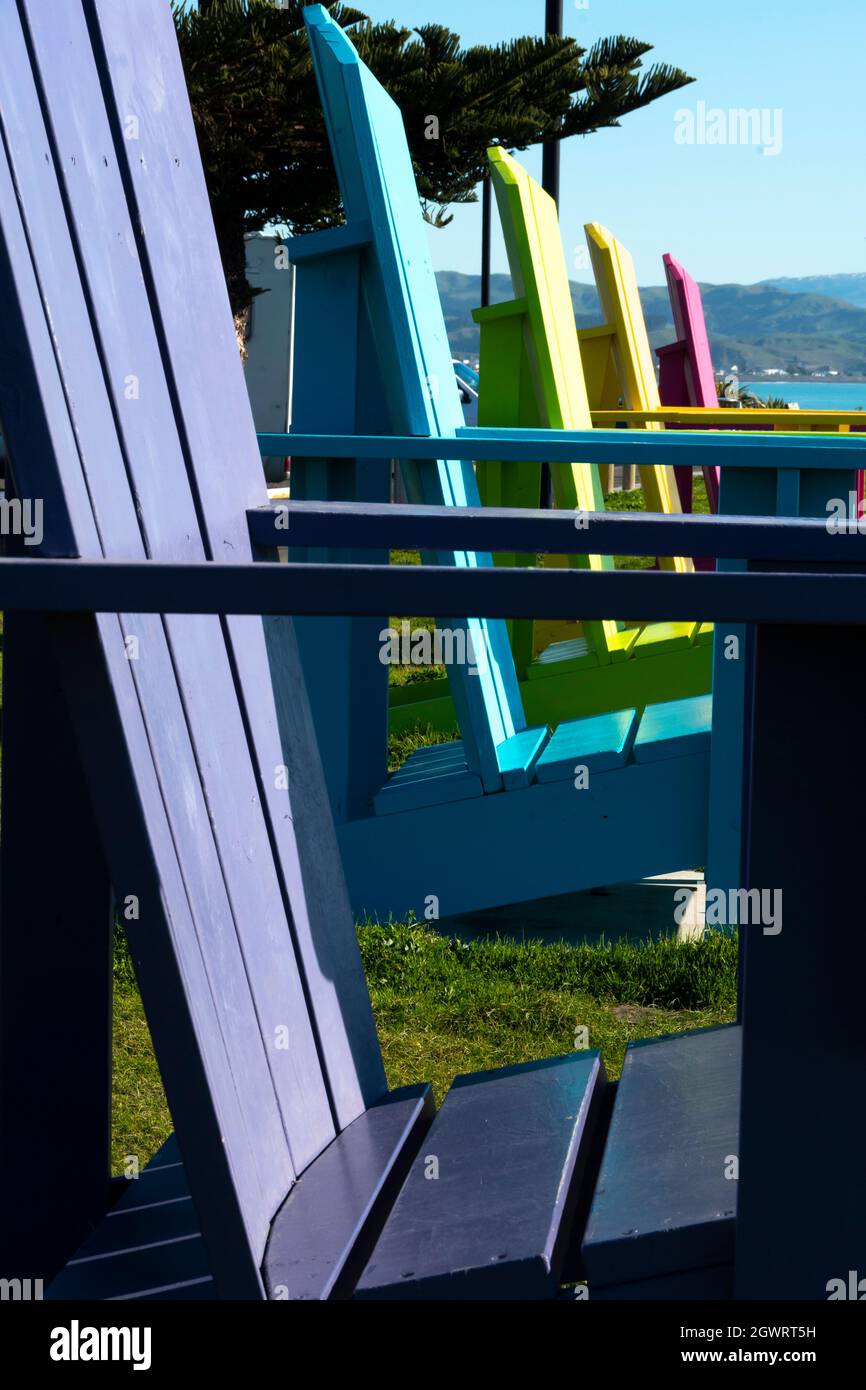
(550, 150)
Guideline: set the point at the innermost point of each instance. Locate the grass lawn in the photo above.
(443, 1007)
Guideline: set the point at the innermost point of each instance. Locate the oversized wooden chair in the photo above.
(375, 273)
(295, 1174)
(125, 410)
(532, 374)
(686, 376)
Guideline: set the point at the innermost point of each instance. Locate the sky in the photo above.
(730, 212)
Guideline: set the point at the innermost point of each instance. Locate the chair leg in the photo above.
(55, 973)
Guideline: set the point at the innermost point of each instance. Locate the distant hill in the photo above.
(851, 288)
(754, 327)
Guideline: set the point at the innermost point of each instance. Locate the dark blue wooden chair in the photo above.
(125, 411)
(182, 769)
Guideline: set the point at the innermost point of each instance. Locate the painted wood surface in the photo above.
(377, 183)
(666, 730)
(56, 915)
(547, 338)
(191, 653)
(346, 682)
(370, 526)
(570, 839)
(34, 406)
(486, 1209)
(666, 1195)
(801, 1219)
(598, 745)
(630, 356)
(149, 1246)
(686, 374)
(325, 1232)
(609, 446)
(215, 425)
(429, 776)
(766, 595)
(737, 418)
(197, 756)
(554, 367)
(754, 492)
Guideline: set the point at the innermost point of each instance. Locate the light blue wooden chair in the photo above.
(374, 276)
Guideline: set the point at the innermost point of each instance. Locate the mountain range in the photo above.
(799, 326)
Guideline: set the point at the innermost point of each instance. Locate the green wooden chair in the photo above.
(532, 376)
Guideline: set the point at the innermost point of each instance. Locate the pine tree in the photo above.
(262, 135)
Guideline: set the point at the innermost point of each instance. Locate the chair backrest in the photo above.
(530, 226)
(697, 375)
(377, 183)
(616, 283)
(691, 330)
(125, 410)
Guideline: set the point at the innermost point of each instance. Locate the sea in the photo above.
(813, 395)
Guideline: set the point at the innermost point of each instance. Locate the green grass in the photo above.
(403, 745)
(444, 1007)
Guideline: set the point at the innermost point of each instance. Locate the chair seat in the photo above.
(600, 743)
(148, 1246)
(668, 730)
(655, 639)
(662, 1218)
(488, 1205)
(429, 777)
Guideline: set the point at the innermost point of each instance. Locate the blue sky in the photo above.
(728, 212)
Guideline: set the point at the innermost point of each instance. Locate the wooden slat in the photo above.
(34, 408)
(538, 272)
(195, 650)
(323, 1235)
(664, 637)
(223, 468)
(668, 730)
(801, 1225)
(518, 756)
(600, 744)
(620, 302)
(486, 1209)
(430, 776)
(614, 446)
(148, 1244)
(663, 1202)
(691, 330)
(55, 963)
